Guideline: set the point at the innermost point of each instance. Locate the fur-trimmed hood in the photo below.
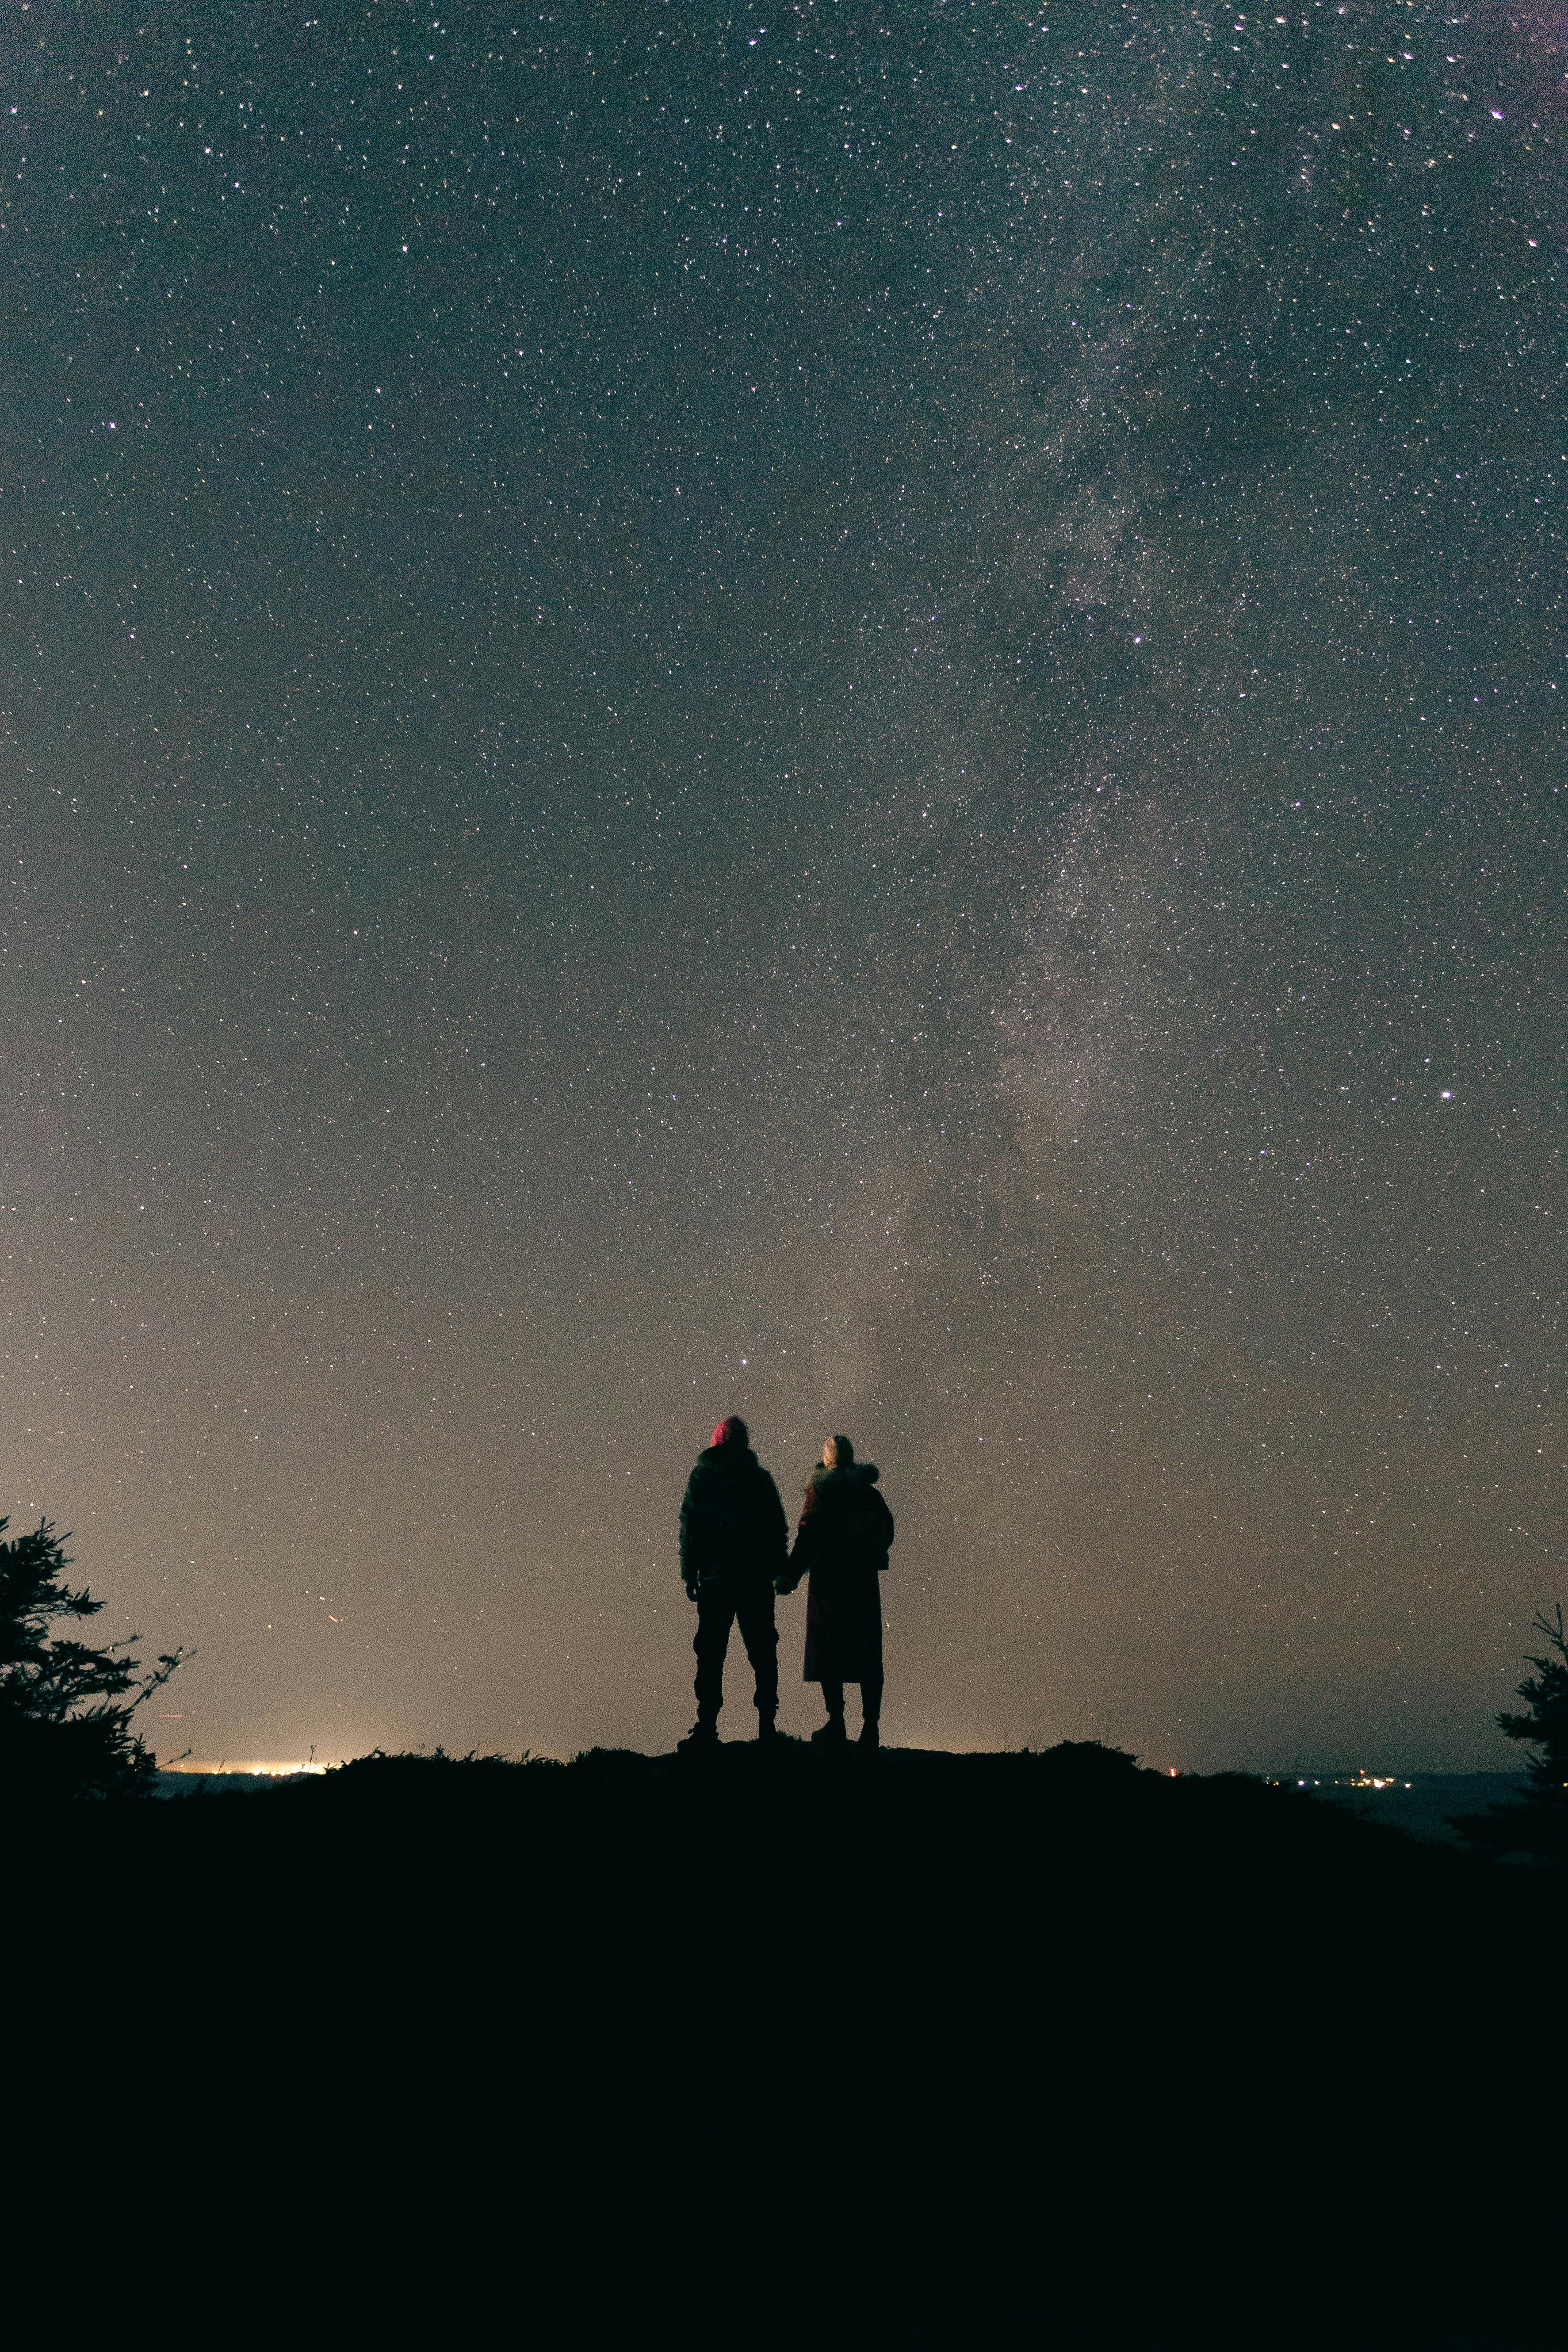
(820, 1475)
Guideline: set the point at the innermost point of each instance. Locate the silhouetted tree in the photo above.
(1540, 1825)
(61, 1733)
(1546, 1725)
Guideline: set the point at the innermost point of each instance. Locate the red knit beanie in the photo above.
(731, 1431)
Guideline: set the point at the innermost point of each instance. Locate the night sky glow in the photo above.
(848, 712)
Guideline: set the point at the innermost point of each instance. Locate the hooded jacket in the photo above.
(731, 1521)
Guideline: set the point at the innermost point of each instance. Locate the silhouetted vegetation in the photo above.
(1021, 1819)
(1546, 1725)
(1538, 1826)
(65, 1708)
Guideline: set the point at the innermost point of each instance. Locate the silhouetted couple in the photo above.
(735, 1555)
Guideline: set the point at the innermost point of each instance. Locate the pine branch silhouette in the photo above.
(66, 1706)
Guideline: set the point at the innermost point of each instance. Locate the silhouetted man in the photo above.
(735, 1540)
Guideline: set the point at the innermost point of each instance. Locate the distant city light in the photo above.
(1357, 1780)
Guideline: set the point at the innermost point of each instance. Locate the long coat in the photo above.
(842, 1544)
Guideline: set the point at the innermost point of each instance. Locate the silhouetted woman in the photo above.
(842, 1544)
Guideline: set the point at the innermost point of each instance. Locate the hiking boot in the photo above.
(870, 1736)
(701, 1736)
(832, 1734)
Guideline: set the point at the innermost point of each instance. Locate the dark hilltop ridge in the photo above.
(1180, 2042)
(915, 1829)
(1425, 1805)
(1118, 2038)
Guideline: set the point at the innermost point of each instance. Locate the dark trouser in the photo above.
(719, 1605)
(871, 1699)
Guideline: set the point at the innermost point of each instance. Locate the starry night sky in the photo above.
(851, 712)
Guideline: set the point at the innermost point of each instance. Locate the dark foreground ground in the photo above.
(1053, 2026)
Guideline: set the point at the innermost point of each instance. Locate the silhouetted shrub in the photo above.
(60, 1732)
(389, 1783)
(1088, 1764)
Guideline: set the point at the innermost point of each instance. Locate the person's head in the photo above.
(731, 1431)
(838, 1454)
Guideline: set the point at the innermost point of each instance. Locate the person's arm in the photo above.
(805, 1538)
(691, 1564)
(874, 1526)
(776, 1529)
